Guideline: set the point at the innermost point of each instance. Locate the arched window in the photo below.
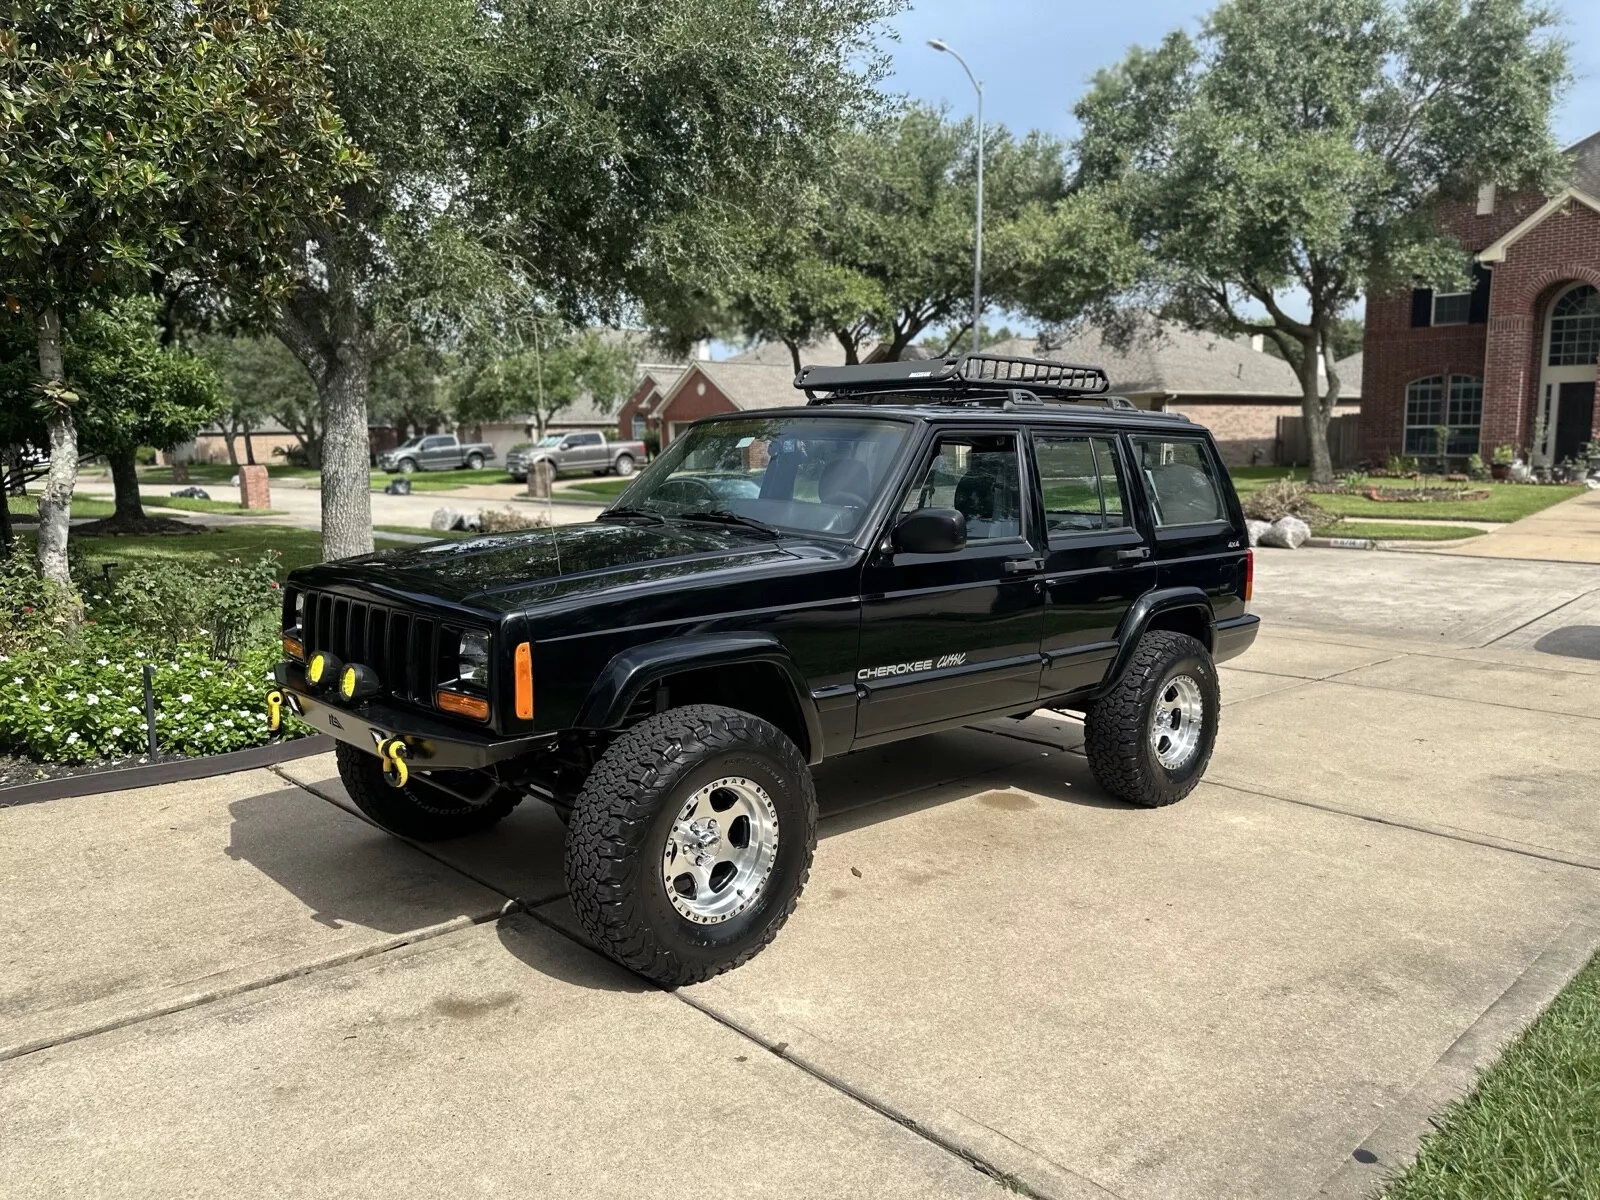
(1575, 328)
(1455, 401)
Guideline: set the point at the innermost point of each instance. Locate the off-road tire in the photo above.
(474, 462)
(625, 811)
(414, 811)
(1117, 726)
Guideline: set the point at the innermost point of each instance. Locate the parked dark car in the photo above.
(920, 546)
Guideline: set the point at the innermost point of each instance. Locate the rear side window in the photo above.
(1181, 480)
(1081, 489)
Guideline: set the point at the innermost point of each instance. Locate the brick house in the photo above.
(1513, 360)
(637, 413)
(1229, 385)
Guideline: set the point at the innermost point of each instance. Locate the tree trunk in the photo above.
(1312, 408)
(346, 476)
(55, 502)
(228, 435)
(7, 535)
(125, 483)
(249, 446)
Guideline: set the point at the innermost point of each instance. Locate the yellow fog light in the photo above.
(357, 682)
(322, 670)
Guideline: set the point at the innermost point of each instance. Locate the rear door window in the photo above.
(1082, 492)
(1181, 479)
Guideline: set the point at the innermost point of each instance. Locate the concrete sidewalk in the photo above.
(996, 977)
(1565, 532)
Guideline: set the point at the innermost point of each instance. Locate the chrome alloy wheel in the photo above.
(720, 850)
(1175, 722)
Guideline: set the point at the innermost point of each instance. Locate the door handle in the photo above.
(1018, 566)
(1136, 552)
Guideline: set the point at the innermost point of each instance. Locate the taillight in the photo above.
(1249, 574)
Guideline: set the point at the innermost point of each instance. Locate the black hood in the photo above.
(500, 572)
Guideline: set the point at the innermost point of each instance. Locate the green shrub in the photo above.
(86, 703)
(161, 605)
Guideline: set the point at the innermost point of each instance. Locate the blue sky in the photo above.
(1036, 56)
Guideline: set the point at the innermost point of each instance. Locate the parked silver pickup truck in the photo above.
(435, 452)
(571, 453)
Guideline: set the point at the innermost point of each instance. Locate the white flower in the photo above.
(44, 708)
(72, 737)
(116, 730)
(204, 674)
(186, 698)
(91, 698)
(138, 653)
(102, 661)
(72, 695)
(208, 727)
(50, 728)
(228, 721)
(16, 679)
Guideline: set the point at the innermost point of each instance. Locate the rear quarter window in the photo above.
(1181, 479)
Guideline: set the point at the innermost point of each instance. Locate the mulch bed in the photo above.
(144, 527)
(1424, 495)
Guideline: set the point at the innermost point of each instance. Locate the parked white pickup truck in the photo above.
(570, 453)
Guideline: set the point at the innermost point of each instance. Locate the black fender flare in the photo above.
(1137, 620)
(633, 670)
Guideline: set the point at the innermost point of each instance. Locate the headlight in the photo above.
(472, 666)
(299, 610)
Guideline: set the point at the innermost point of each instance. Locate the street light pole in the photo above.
(977, 246)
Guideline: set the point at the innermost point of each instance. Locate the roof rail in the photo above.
(961, 378)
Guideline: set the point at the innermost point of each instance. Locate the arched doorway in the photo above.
(1567, 374)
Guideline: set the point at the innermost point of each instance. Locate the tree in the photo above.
(546, 378)
(879, 248)
(1300, 149)
(577, 152)
(134, 392)
(145, 138)
(411, 390)
(261, 380)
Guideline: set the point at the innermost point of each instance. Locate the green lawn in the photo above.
(204, 473)
(82, 506)
(602, 488)
(298, 547)
(1506, 501)
(449, 535)
(1410, 531)
(190, 504)
(1531, 1128)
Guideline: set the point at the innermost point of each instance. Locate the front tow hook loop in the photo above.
(395, 771)
(274, 710)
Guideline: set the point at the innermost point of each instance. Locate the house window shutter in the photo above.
(1480, 295)
(1421, 308)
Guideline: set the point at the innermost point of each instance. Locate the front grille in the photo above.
(401, 647)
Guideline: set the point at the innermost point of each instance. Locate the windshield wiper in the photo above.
(725, 516)
(628, 513)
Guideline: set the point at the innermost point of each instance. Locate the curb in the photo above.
(151, 774)
(1342, 543)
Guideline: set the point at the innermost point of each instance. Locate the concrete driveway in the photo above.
(997, 977)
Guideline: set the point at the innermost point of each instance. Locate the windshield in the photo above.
(551, 439)
(410, 445)
(814, 474)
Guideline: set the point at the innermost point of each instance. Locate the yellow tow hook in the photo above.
(393, 754)
(274, 710)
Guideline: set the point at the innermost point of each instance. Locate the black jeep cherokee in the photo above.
(919, 546)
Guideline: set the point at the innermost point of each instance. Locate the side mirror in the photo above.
(931, 531)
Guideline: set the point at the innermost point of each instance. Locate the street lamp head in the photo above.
(938, 44)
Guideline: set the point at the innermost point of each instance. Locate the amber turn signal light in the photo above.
(524, 681)
(475, 707)
(293, 647)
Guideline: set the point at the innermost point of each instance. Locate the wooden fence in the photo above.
(1344, 441)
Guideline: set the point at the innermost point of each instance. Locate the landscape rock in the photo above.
(1257, 528)
(444, 519)
(1287, 533)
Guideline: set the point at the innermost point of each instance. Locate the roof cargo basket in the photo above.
(957, 379)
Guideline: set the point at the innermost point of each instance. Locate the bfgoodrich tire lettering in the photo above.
(415, 811)
(624, 816)
(1118, 727)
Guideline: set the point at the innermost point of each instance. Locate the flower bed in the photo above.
(1420, 495)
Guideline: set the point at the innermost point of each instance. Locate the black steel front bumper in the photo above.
(432, 744)
(1234, 636)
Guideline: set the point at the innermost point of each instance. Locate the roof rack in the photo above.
(974, 379)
